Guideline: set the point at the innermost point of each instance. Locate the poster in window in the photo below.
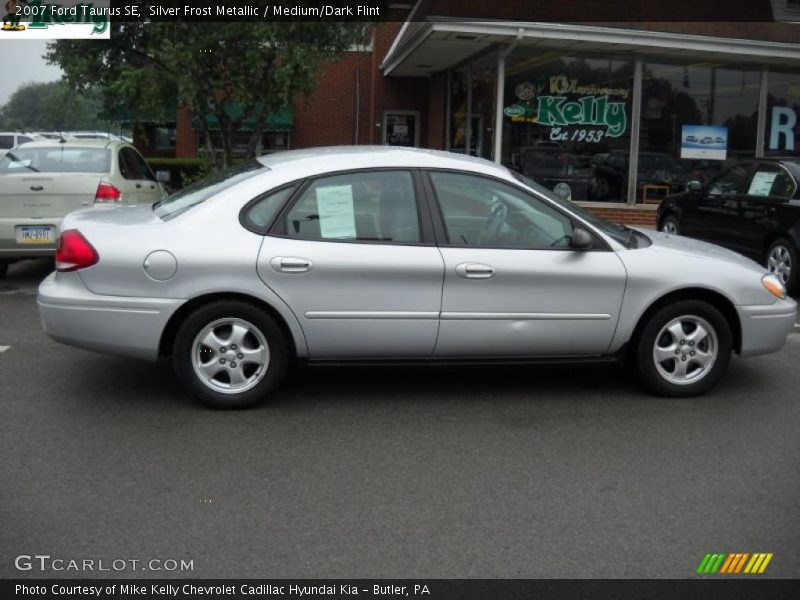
(704, 141)
(401, 129)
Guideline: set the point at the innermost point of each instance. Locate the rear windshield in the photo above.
(56, 159)
(206, 188)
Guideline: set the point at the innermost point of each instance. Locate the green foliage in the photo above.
(54, 106)
(261, 67)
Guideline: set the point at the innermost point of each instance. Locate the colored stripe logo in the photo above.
(734, 563)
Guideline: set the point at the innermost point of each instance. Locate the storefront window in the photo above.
(782, 137)
(567, 122)
(458, 111)
(696, 119)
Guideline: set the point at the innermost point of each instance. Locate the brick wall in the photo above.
(639, 215)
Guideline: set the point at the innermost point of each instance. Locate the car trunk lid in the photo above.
(46, 195)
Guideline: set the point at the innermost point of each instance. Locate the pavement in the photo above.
(404, 472)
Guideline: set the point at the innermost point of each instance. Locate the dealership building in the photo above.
(609, 112)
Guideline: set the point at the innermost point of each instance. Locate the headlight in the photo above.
(774, 285)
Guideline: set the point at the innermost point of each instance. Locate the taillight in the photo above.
(107, 193)
(74, 252)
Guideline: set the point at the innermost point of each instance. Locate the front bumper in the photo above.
(120, 325)
(764, 328)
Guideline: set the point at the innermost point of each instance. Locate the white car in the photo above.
(40, 182)
(9, 139)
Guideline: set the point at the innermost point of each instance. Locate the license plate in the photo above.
(36, 235)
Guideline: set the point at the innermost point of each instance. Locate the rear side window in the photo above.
(133, 166)
(6, 142)
(56, 159)
(259, 216)
(370, 206)
(214, 184)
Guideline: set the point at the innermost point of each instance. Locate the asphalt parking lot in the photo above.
(406, 472)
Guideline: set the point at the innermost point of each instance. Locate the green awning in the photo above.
(279, 120)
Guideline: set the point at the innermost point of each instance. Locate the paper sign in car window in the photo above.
(18, 164)
(337, 218)
(762, 183)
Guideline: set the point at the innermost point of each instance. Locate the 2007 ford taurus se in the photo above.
(390, 255)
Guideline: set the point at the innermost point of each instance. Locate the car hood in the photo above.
(664, 242)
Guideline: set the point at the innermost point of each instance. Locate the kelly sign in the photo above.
(588, 110)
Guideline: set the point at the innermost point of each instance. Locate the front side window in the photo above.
(370, 206)
(730, 182)
(485, 213)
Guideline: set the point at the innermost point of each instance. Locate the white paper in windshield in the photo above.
(337, 218)
(762, 183)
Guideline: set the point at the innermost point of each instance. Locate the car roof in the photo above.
(75, 143)
(342, 158)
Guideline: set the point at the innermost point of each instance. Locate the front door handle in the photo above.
(474, 271)
(37, 188)
(290, 264)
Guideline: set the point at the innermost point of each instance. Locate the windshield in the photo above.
(202, 190)
(56, 159)
(614, 230)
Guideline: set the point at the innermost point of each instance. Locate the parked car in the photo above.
(40, 182)
(396, 254)
(691, 138)
(9, 139)
(719, 140)
(92, 135)
(657, 168)
(707, 140)
(752, 207)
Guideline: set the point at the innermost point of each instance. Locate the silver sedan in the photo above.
(377, 254)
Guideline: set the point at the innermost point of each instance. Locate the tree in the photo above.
(53, 106)
(228, 73)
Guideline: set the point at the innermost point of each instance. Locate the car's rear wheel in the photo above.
(3, 269)
(670, 225)
(230, 354)
(781, 260)
(684, 349)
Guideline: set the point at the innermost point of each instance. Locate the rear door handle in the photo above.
(474, 271)
(37, 188)
(290, 264)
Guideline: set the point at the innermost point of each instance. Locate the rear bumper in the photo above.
(120, 325)
(9, 248)
(764, 328)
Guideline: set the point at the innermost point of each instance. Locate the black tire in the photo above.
(650, 373)
(666, 222)
(791, 281)
(202, 318)
(3, 269)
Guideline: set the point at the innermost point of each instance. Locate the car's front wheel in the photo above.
(781, 260)
(684, 349)
(670, 225)
(230, 354)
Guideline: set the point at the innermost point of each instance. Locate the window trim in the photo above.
(277, 227)
(600, 244)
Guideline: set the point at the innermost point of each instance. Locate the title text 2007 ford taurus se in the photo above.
(376, 253)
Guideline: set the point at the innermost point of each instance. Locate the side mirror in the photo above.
(580, 239)
(694, 186)
(162, 176)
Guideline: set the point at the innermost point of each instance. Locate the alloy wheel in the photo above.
(779, 262)
(230, 355)
(670, 227)
(685, 350)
